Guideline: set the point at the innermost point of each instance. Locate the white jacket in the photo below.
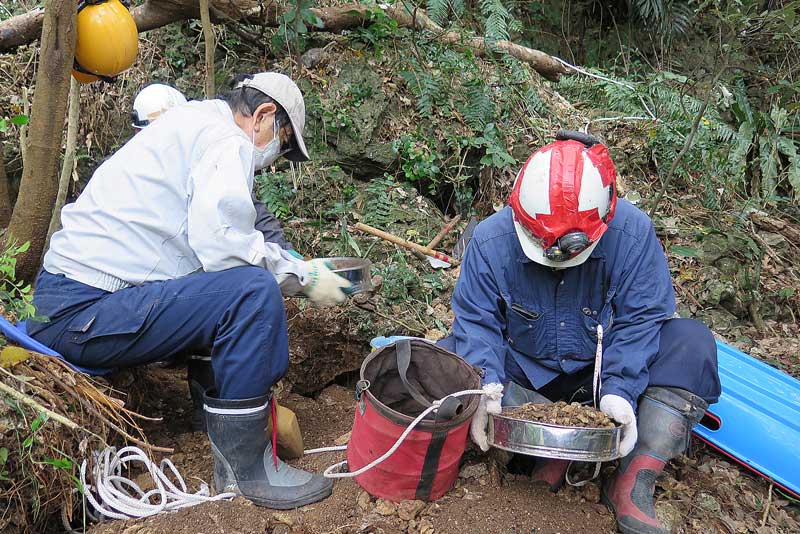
(173, 200)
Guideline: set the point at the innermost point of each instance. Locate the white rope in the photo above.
(581, 483)
(597, 381)
(114, 496)
(331, 472)
(326, 449)
(597, 384)
(609, 80)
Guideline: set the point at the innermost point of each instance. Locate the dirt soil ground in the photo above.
(702, 493)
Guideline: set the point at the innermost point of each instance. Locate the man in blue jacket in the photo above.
(566, 293)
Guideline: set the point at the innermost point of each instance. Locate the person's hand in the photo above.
(621, 411)
(325, 288)
(490, 403)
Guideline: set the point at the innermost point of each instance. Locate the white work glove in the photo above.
(325, 288)
(621, 411)
(489, 404)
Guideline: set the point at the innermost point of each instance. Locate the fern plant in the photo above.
(498, 20)
(665, 17)
(751, 157)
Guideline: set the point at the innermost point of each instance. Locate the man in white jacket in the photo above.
(160, 256)
(150, 103)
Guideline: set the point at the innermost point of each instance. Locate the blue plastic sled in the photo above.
(19, 336)
(757, 419)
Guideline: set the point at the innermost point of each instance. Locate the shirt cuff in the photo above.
(615, 386)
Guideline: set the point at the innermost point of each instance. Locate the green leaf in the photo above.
(354, 245)
(768, 163)
(59, 463)
(28, 442)
(3, 455)
(40, 419)
(23, 247)
(19, 120)
(686, 252)
(784, 293)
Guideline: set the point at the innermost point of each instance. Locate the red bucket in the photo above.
(398, 382)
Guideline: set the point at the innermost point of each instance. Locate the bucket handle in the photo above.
(450, 406)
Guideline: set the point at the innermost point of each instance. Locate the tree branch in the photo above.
(156, 13)
(69, 158)
(687, 143)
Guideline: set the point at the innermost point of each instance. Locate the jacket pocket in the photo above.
(527, 331)
(593, 318)
(109, 317)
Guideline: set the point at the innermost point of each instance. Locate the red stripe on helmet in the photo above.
(566, 175)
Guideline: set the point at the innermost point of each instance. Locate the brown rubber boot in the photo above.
(666, 417)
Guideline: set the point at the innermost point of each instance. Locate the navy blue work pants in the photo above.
(236, 316)
(686, 359)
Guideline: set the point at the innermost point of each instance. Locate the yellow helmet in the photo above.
(82, 77)
(108, 40)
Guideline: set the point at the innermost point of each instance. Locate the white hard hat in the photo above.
(152, 101)
(563, 199)
(285, 92)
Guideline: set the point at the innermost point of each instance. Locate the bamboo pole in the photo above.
(406, 244)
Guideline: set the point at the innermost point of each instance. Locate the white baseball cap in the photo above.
(285, 92)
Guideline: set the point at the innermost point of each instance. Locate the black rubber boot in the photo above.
(243, 458)
(200, 376)
(665, 420)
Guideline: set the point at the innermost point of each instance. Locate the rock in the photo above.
(343, 439)
(434, 335)
(281, 529)
(719, 320)
(591, 492)
(669, 515)
(385, 507)
(776, 241)
(312, 57)
(364, 501)
(717, 289)
(472, 495)
(425, 526)
(283, 518)
(707, 502)
(473, 471)
(713, 247)
(408, 510)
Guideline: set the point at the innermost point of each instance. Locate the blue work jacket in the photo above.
(507, 306)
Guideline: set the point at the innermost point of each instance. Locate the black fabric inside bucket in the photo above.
(433, 372)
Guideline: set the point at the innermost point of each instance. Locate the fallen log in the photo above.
(153, 14)
(778, 226)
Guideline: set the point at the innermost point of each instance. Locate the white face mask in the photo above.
(264, 157)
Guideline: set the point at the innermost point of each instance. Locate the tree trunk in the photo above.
(5, 195)
(39, 184)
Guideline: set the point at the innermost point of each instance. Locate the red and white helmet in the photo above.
(563, 199)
